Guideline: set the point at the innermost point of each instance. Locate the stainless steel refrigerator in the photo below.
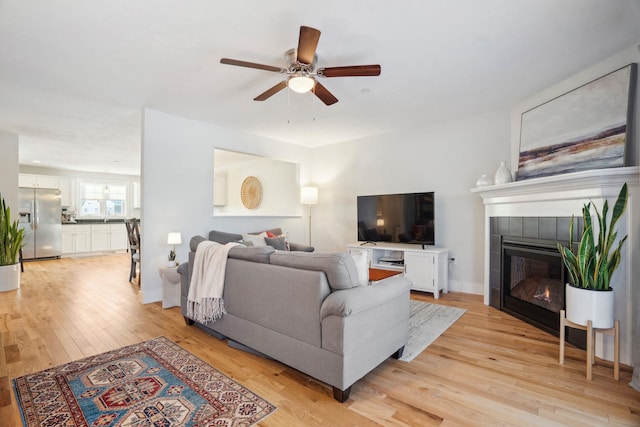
(40, 217)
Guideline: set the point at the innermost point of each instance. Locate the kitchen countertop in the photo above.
(94, 221)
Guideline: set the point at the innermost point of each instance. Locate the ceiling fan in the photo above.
(302, 75)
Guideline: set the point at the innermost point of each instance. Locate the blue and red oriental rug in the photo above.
(154, 383)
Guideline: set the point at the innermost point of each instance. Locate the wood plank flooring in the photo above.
(487, 369)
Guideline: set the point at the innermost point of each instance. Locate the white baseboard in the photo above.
(466, 287)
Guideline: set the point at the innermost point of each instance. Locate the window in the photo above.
(103, 200)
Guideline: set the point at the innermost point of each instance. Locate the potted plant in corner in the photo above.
(590, 266)
(11, 240)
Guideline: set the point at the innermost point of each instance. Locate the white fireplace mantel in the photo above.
(562, 196)
(535, 196)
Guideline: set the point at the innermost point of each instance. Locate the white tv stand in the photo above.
(427, 268)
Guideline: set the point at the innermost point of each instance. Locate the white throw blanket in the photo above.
(204, 303)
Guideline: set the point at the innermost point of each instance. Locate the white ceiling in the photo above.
(76, 74)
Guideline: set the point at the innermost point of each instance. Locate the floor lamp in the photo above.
(309, 196)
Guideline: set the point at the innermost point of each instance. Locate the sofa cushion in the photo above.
(361, 259)
(279, 243)
(339, 267)
(223, 237)
(275, 231)
(301, 247)
(256, 254)
(255, 239)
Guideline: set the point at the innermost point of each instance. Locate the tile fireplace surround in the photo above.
(564, 196)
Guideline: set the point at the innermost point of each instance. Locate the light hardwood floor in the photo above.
(487, 369)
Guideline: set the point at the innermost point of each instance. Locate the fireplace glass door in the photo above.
(533, 284)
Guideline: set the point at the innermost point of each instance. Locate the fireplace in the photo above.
(533, 277)
(528, 275)
(540, 210)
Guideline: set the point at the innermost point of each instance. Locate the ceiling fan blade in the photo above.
(307, 44)
(324, 95)
(272, 91)
(239, 63)
(350, 71)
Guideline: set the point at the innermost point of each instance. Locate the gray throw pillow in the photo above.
(278, 243)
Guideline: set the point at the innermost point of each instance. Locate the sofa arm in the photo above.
(346, 302)
(370, 319)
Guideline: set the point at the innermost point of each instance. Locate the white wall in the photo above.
(177, 187)
(9, 170)
(446, 158)
(279, 182)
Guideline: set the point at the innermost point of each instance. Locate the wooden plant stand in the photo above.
(591, 345)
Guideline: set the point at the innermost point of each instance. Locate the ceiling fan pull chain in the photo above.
(313, 103)
(288, 106)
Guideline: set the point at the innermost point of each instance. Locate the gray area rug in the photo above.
(426, 323)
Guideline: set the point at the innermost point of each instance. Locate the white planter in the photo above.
(586, 304)
(9, 277)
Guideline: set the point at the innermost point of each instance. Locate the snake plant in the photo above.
(11, 236)
(593, 263)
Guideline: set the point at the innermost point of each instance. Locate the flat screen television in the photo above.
(397, 218)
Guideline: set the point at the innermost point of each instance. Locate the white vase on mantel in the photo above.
(483, 181)
(503, 174)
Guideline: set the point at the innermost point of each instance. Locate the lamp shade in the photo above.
(309, 195)
(174, 239)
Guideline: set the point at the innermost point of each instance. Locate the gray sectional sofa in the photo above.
(307, 311)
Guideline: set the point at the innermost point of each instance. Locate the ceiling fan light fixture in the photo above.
(301, 83)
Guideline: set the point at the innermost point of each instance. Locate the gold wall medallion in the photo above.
(251, 192)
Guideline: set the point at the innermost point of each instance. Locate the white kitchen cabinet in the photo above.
(76, 238)
(100, 237)
(37, 181)
(427, 267)
(119, 238)
(67, 191)
(108, 237)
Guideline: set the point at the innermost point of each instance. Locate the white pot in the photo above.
(172, 263)
(586, 304)
(9, 277)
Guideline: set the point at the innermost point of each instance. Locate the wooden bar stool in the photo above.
(591, 343)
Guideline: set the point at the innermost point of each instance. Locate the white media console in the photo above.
(427, 268)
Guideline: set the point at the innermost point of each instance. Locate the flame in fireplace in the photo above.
(544, 296)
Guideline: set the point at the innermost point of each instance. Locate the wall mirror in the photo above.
(250, 185)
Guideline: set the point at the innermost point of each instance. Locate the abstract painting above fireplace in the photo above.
(586, 128)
